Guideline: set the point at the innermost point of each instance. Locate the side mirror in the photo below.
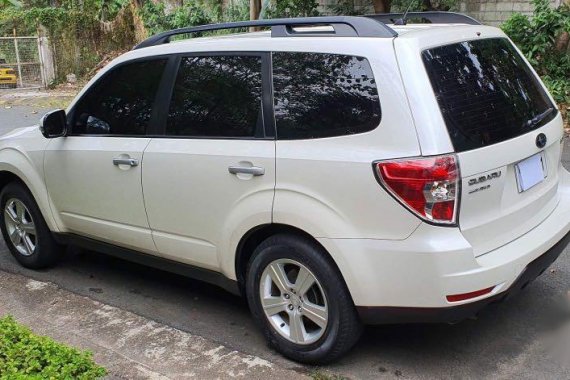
(54, 124)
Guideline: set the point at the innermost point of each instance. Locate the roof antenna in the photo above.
(403, 20)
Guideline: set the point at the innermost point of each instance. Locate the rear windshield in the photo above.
(486, 92)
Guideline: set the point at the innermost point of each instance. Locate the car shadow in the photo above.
(473, 348)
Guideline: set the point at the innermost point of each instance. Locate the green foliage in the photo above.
(109, 9)
(24, 355)
(347, 8)
(191, 13)
(290, 8)
(10, 3)
(536, 36)
(157, 19)
(236, 10)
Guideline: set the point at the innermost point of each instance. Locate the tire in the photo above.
(46, 252)
(318, 343)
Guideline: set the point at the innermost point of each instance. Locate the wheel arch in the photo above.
(34, 184)
(258, 234)
(7, 177)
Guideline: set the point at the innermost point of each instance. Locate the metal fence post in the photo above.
(30, 59)
(18, 62)
(42, 67)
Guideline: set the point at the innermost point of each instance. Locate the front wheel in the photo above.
(24, 229)
(298, 297)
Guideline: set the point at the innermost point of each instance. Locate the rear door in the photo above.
(506, 132)
(211, 176)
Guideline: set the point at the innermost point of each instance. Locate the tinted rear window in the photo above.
(486, 92)
(323, 95)
(217, 96)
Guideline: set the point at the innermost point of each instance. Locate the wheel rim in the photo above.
(293, 301)
(20, 226)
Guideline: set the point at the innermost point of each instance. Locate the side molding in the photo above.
(205, 275)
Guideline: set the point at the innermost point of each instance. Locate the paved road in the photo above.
(520, 338)
(18, 116)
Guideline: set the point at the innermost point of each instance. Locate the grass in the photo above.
(24, 355)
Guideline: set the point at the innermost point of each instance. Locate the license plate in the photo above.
(530, 171)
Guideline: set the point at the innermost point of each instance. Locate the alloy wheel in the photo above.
(20, 226)
(294, 301)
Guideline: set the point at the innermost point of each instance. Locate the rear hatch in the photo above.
(506, 132)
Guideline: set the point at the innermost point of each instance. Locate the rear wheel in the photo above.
(25, 231)
(299, 299)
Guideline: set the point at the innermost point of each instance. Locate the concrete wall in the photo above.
(490, 12)
(493, 12)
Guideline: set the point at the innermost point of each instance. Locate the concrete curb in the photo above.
(128, 345)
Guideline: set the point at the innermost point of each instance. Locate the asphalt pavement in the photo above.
(525, 337)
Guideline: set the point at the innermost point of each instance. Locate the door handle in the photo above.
(253, 170)
(125, 161)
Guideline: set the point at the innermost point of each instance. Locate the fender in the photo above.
(17, 162)
(249, 213)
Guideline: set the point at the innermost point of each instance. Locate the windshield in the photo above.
(486, 92)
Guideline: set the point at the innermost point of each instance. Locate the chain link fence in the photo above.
(21, 63)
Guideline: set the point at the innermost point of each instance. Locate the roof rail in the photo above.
(431, 17)
(342, 26)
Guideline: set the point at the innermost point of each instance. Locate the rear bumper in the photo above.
(385, 315)
(399, 281)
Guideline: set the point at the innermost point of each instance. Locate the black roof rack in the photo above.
(342, 26)
(431, 17)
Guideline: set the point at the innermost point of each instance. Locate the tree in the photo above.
(254, 9)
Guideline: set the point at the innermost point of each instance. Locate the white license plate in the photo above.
(530, 171)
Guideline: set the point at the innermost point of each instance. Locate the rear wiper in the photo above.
(538, 118)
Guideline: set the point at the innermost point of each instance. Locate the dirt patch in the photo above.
(48, 99)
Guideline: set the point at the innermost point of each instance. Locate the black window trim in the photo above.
(161, 104)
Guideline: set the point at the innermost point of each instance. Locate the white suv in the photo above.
(336, 171)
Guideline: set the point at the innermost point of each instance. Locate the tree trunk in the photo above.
(382, 6)
(563, 42)
(254, 9)
(427, 6)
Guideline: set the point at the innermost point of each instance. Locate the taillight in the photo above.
(429, 187)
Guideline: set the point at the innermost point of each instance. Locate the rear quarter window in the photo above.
(323, 95)
(486, 92)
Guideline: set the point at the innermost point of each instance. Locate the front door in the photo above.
(94, 174)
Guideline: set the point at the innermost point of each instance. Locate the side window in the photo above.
(121, 102)
(216, 96)
(323, 95)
